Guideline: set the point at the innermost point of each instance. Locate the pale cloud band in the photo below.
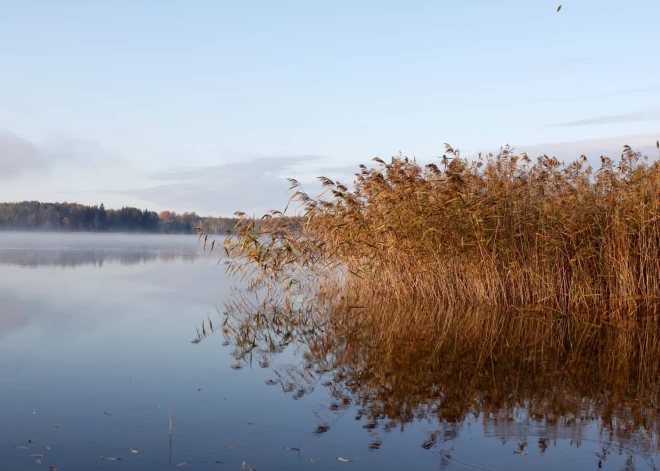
(258, 185)
(253, 185)
(634, 117)
(21, 157)
(593, 149)
(18, 157)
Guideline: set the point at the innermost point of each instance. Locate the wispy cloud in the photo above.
(570, 62)
(632, 91)
(579, 97)
(594, 148)
(20, 156)
(256, 166)
(253, 186)
(636, 116)
(81, 152)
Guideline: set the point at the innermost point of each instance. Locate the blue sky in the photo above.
(208, 105)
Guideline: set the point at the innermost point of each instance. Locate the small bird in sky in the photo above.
(558, 8)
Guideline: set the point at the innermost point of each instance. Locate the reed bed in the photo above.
(469, 287)
(501, 231)
(412, 250)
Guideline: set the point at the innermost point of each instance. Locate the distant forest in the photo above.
(36, 216)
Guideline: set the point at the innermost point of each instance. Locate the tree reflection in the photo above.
(68, 258)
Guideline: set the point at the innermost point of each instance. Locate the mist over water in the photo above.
(76, 249)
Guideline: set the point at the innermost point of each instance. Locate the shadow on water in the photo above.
(530, 392)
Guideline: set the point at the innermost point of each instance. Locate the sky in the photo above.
(208, 106)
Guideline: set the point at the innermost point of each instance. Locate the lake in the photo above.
(96, 343)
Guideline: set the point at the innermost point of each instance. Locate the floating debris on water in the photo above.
(134, 451)
(56, 425)
(37, 461)
(321, 429)
(21, 447)
(183, 463)
(428, 444)
(34, 412)
(375, 445)
(107, 413)
(344, 460)
(230, 446)
(31, 441)
(251, 423)
(219, 462)
(250, 468)
(37, 455)
(52, 468)
(47, 448)
(199, 389)
(237, 366)
(271, 382)
(110, 458)
(518, 452)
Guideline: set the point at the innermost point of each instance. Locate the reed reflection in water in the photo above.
(504, 371)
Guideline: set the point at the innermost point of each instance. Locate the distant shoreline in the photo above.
(35, 216)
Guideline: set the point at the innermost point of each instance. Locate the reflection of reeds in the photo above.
(468, 287)
(561, 375)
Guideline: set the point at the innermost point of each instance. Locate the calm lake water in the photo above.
(95, 337)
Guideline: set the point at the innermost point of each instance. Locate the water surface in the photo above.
(93, 324)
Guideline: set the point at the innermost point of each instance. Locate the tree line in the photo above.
(34, 215)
